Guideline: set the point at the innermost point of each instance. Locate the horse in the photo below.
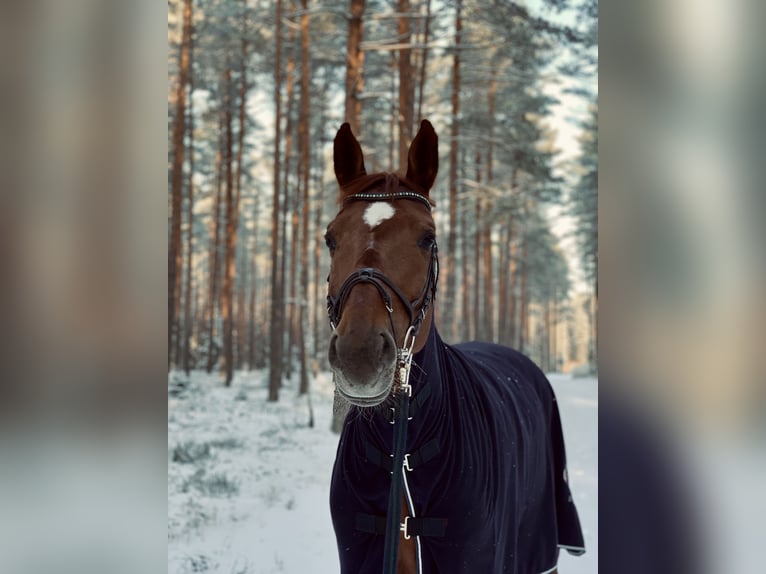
(451, 457)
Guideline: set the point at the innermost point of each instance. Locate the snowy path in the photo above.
(248, 489)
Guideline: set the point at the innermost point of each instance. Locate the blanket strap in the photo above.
(371, 524)
(411, 461)
(416, 403)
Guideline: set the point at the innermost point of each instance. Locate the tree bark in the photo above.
(275, 335)
(513, 329)
(354, 66)
(252, 312)
(481, 328)
(424, 59)
(450, 298)
(290, 204)
(188, 321)
(231, 267)
(176, 185)
(212, 307)
(227, 291)
(523, 295)
(406, 86)
(303, 135)
(467, 332)
(503, 281)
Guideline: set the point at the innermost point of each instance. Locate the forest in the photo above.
(256, 92)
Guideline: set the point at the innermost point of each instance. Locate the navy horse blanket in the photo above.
(488, 479)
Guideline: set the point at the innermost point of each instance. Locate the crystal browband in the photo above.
(388, 196)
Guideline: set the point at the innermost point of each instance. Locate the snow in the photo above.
(251, 495)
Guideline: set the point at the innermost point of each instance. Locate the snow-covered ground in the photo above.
(248, 480)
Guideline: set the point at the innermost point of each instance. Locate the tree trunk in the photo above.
(513, 272)
(176, 185)
(486, 272)
(424, 59)
(450, 298)
(502, 283)
(489, 315)
(227, 291)
(318, 243)
(481, 331)
(188, 321)
(354, 66)
(394, 107)
(406, 86)
(303, 134)
(290, 204)
(523, 296)
(318, 231)
(212, 307)
(554, 333)
(277, 289)
(231, 267)
(467, 332)
(240, 345)
(251, 341)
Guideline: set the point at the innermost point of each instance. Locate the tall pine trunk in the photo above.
(305, 151)
(231, 268)
(488, 275)
(503, 283)
(213, 257)
(424, 59)
(513, 329)
(176, 184)
(523, 296)
(477, 259)
(252, 311)
(406, 86)
(354, 66)
(227, 291)
(277, 288)
(318, 231)
(290, 203)
(450, 298)
(467, 332)
(188, 321)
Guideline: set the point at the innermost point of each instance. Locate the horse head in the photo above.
(383, 265)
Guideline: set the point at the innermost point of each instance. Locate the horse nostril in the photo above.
(332, 353)
(388, 348)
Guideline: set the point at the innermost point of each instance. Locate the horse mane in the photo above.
(390, 182)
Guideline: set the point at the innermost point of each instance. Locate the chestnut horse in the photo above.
(484, 484)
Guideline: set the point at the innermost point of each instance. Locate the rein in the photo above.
(402, 388)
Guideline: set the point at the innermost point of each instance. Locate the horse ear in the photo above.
(347, 156)
(423, 157)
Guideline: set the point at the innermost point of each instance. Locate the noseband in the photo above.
(381, 281)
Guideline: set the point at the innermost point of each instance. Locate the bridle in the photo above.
(381, 282)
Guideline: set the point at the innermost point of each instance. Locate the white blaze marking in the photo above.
(377, 213)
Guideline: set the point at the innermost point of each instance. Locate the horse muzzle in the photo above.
(363, 367)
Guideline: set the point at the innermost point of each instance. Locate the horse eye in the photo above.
(330, 241)
(427, 241)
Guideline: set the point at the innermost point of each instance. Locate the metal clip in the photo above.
(407, 462)
(393, 416)
(403, 528)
